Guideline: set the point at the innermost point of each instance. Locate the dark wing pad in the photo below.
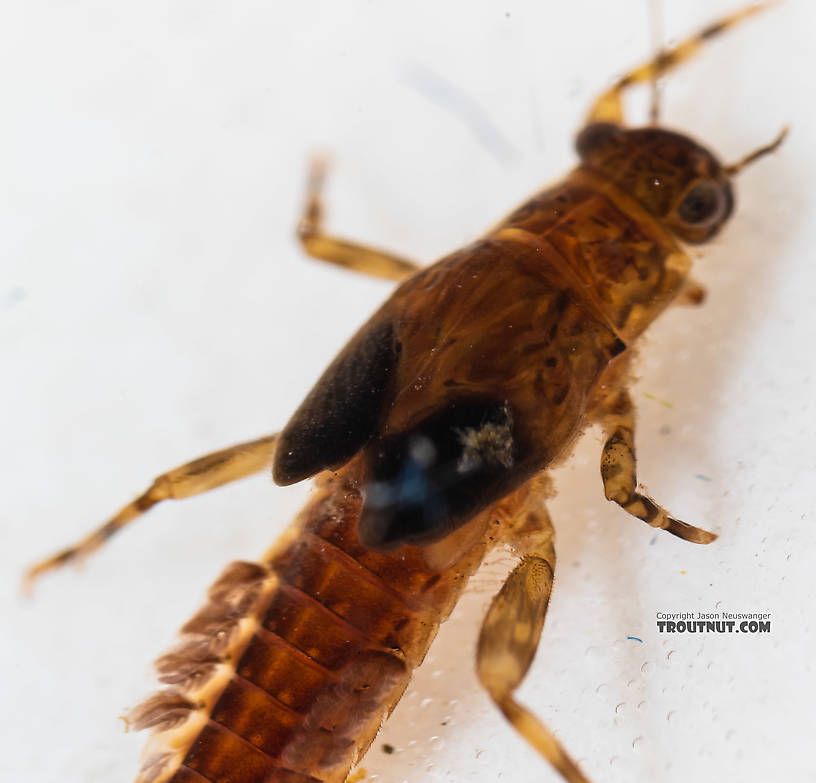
(423, 483)
(342, 411)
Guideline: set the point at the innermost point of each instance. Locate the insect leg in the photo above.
(350, 255)
(192, 478)
(507, 643)
(608, 107)
(619, 473)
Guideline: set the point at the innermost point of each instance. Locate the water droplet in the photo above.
(426, 702)
(602, 686)
(670, 653)
(637, 743)
(437, 743)
(644, 669)
(641, 705)
(670, 714)
(620, 706)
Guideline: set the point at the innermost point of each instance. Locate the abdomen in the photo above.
(288, 672)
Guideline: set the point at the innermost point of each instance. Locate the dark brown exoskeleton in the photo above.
(431, 434)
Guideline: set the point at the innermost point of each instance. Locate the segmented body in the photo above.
(288, 672)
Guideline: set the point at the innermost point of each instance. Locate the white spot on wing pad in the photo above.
(490, 444)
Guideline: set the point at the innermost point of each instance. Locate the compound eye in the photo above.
(703, 205)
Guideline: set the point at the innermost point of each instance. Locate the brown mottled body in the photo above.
(336, 632)
(534, 311)
(432, 432)
(541, 300)
(614, 257)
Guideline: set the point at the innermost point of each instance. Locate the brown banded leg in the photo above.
(192, 478)
(350, 255)
(619, 473)
(508, 641)
(608, 107)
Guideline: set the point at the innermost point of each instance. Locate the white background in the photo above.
(154, 306)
